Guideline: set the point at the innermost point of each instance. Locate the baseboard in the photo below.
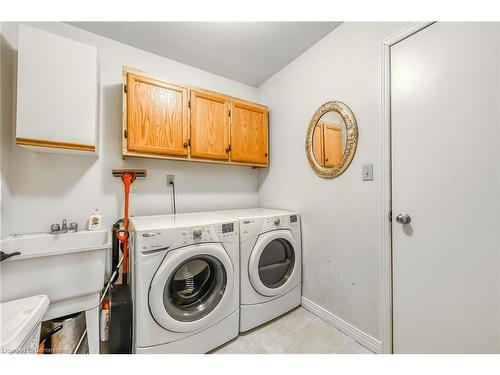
(363, 338)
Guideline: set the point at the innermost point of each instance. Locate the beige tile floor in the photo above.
(297, 332)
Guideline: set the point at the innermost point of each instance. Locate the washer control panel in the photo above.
(208, 233)
(169, 239)
(228, 231)
(228, 228)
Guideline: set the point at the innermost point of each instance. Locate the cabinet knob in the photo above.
(265, 154)
(185, 145)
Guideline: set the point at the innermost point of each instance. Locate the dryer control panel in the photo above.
(282, 221)
(250, 228)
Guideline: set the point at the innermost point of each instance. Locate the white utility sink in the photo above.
(69, 268)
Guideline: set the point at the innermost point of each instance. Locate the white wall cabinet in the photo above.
(57, 93)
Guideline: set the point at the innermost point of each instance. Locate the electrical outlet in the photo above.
(170, 180)
(368, 172)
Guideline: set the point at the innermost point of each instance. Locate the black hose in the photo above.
(174, 209)
(116, 247)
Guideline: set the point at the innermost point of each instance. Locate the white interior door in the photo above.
(445, 175)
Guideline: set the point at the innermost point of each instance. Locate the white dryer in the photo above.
(270, 264)
(185, 282)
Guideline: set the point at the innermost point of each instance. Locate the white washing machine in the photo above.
(270, 264)
(185, 282)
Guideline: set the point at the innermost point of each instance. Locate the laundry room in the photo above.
(226, 186)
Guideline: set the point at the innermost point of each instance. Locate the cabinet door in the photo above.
(318, 145)
(56, 93)
(332, 146)
(249, 133)
(157, 117)
(209, 126)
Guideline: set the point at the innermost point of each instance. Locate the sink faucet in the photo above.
(64, 226)
(58, 229)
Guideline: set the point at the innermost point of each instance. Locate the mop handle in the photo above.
(128, 179)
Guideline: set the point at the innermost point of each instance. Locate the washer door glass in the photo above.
(195, 288)
(276, 263)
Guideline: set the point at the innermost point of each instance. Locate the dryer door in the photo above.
(273, 263)
(190, 286)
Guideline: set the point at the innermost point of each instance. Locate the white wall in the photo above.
(1, 105)
(6, 112)
(41, 189)
(341, 217)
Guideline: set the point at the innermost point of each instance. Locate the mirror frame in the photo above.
(351, 126)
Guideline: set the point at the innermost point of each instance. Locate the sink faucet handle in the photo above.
(64, 225)
(55, 228)
(73, 226)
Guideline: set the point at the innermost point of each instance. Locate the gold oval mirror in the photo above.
(331, 140)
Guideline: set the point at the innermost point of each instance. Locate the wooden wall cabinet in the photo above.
(166, 121)
(249, 133)
(327, 144)
(332, 148)
(318, 144)
(157, 117)
(57, 93)
(209, 126)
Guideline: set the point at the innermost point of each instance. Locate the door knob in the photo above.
(403, 219)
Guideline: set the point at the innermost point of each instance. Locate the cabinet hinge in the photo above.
(390, 215)
(125, 133)
(189, 142)
(125, 88)
(189, 104)
(229, 113)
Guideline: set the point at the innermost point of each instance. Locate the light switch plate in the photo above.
(368, 172)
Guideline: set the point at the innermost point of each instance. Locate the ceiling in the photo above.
(248, 52)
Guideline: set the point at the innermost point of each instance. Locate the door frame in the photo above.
(386, 178)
